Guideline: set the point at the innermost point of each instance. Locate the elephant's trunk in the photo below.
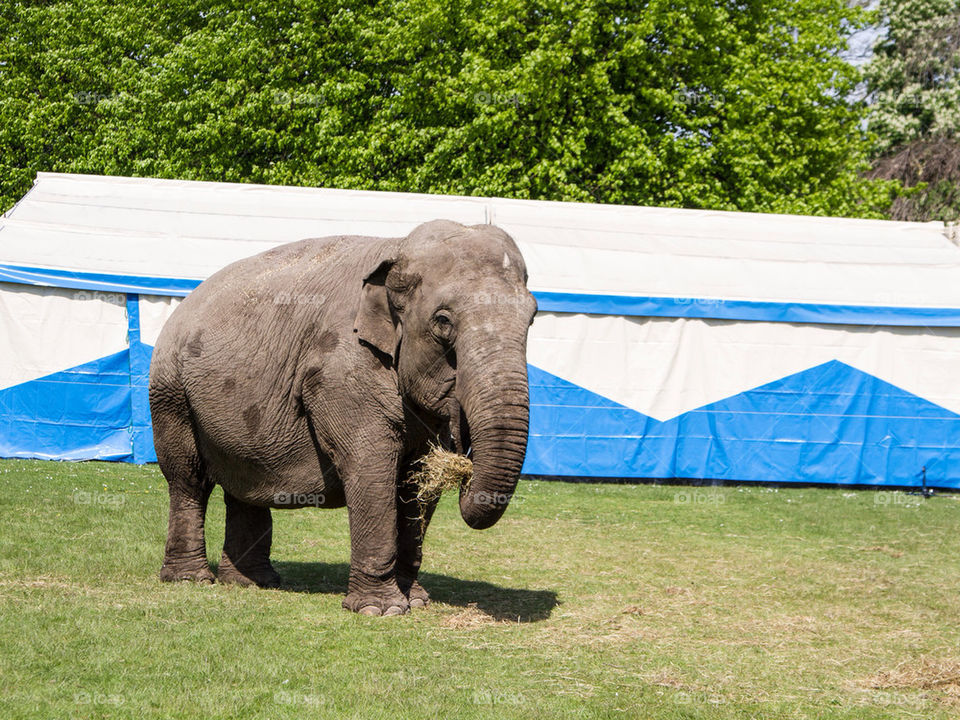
(492, 389)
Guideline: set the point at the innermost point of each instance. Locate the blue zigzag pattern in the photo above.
(829, 424)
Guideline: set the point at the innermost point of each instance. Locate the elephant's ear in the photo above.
(374, 324)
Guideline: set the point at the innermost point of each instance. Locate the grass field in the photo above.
(585, 601)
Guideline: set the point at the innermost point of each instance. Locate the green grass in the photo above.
(585, 601)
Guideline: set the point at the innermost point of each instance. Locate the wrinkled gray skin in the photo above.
(316, 373)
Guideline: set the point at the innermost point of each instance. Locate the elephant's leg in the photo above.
(246, 545)
(363, 439)
(185, 556)
(413, 518)
(372, 508)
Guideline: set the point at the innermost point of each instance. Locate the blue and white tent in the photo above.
(669, 344)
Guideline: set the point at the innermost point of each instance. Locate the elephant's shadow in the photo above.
(500, 603)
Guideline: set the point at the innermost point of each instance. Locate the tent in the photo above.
(669, 344)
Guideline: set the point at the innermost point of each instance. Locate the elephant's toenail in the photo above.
(394, 610)
(417, 603)
(371, 610)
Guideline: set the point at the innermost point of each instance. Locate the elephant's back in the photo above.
(268, 295)
(253, 281)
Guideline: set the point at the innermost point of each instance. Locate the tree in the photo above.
(726, 104)
(59, 63)
(915, 106)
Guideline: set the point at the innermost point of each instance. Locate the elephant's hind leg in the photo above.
(246, 545)
(185, 556)
(412, 521)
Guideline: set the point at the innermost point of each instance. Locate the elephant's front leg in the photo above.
(413, 517)
(364, 440)
(372, 506)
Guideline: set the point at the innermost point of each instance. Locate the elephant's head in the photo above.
(451, 308)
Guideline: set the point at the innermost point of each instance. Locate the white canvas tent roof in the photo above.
(188, 229)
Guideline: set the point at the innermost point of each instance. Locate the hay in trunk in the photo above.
(440, 470)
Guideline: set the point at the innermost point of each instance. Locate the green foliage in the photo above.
(60, 63)
(914, 83)
(914, 75)
(721, 104)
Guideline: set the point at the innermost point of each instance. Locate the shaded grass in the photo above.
(585, 601)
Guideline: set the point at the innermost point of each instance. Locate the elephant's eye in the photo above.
(443, 326)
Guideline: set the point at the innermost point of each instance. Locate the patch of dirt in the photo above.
(885, 549)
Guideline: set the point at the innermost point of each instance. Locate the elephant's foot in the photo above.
(415, 592)
(374, 596)
(193, 572)
(375, 605)
(260, 575)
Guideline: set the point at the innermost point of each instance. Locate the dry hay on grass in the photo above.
(470, 617)
(440, 470)
(923, 673)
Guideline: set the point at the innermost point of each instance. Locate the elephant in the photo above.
(318, 373)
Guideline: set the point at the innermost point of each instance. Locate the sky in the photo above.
(861, 44)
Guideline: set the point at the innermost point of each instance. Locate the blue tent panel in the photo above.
(78, 414)
(829, 424)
